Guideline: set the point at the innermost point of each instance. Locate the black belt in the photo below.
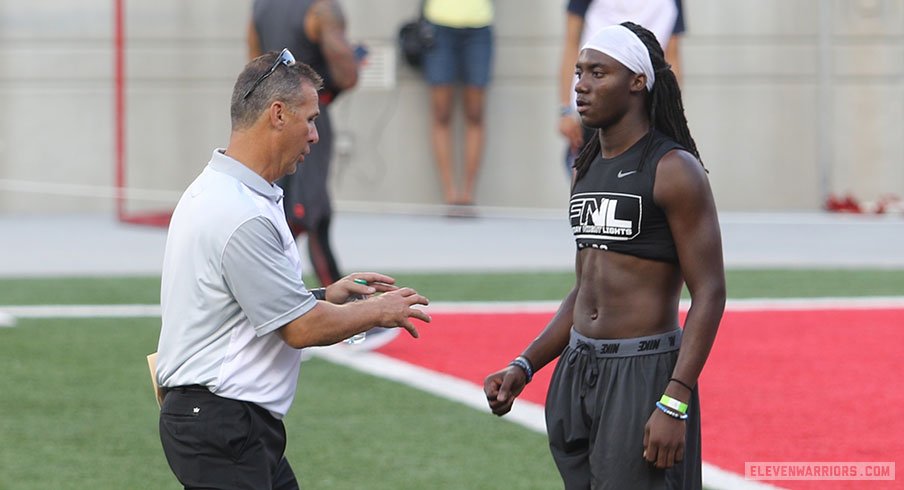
(186, 388)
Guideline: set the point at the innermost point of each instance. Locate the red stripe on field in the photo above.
(470, 346)
(805, 386)
(788, 386)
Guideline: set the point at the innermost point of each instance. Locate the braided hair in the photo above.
(663, 104)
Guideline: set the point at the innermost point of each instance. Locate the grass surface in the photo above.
(78, 413)
(76, 410)
(354, 431)
(76, 406)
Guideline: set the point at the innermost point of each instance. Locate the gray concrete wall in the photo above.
(781, 109)
(773, 106)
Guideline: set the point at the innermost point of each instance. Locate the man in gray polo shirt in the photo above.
(235, 310)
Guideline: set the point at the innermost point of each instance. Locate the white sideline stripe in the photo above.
(524, 413)
(82, 311)
(528, 414)
(785, 304)
(465, 307)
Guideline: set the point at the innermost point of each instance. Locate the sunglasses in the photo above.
(285, 58)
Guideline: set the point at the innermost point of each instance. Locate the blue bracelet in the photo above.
(671, 413)
(525, 366)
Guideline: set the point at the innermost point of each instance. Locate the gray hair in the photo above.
(281, 85)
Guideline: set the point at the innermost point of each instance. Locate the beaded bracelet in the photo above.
(525, 366)
(671, 413)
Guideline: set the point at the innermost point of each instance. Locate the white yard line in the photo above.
(82, 311)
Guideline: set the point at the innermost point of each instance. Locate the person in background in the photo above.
(583, 18)
(315, 31)
(461, 55)
(622, 410)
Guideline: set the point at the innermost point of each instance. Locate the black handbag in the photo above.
(415, 39)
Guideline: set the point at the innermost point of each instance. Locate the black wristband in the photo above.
(525, 366)
(319, 293)
(682, 383)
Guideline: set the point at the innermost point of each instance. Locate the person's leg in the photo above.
(441, 135)
(284, 477)
(214, 442)
(625, 398)
(477, 65)
(312, 181)
(567, 425)
(321, 252)
(441, 71)
(474, 141)
(688, 475)
(616, 459)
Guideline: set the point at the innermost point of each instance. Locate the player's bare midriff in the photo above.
(621, 296)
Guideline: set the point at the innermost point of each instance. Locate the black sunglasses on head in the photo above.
(285, 58)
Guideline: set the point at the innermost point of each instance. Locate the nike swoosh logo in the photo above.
(625, 174)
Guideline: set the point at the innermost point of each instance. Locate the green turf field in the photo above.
(480, 287)
(78, 414)
(76, 410)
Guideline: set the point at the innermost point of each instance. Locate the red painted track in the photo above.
(823, 385)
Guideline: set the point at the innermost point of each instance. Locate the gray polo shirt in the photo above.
(231, 277)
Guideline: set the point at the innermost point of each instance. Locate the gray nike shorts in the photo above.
(601, 395)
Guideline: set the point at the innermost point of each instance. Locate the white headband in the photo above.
(625, 47)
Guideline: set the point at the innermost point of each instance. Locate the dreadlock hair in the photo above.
(663, 104)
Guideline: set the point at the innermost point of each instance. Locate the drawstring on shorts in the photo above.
(588, 359)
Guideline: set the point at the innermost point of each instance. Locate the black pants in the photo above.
(212, 442)
(321, 252)
(308, 205)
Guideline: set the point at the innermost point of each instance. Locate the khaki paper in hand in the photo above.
(152, 365)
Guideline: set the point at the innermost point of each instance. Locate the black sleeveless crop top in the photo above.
(612, 205)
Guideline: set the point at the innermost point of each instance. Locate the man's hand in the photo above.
(571, 129)
(663, 440)
(502, 387)
(359, 284)
(397, 307)
(327, 323)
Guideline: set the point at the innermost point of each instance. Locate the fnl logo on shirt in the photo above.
(605, 215)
